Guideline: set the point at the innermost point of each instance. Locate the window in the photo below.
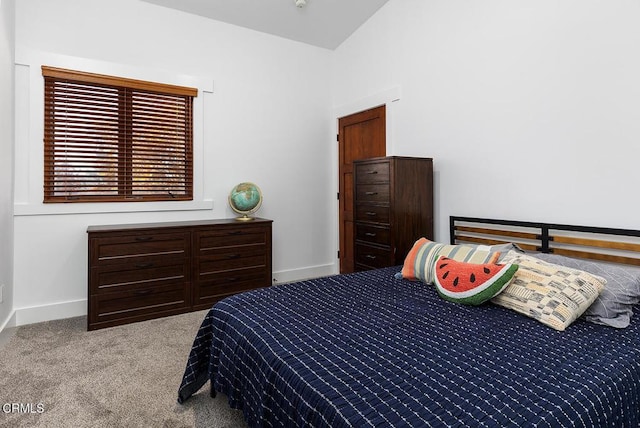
(110, 139)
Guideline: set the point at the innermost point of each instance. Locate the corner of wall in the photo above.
(6, 328)
(7, 137)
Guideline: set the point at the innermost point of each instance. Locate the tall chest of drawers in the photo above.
(393, 199)
(143, 271)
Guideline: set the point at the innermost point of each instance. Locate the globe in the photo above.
(245, 199)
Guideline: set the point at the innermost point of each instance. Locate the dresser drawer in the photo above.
(114, 249)
(372, 193)
(136, 305)
(230, 238)
(140, 274)
(372, 172)
(373, 234)
(373, 257)
(223, 259)
(214, 285)
(372, 213)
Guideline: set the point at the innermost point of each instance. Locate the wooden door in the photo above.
(360, 136)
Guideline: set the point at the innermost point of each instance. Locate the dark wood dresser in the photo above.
(143, 271)
(393, 208)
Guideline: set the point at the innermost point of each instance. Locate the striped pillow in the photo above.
(419, 265)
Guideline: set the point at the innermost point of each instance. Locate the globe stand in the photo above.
(244, 218)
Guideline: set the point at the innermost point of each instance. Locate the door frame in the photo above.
(389, 98)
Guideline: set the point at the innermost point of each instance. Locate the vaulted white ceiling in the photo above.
(323, 23)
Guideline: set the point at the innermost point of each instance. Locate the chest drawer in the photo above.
(372, 193)
(372, 172)
(372, 257)
(372, 213)
(373, 234)
(392, 208)
(117, 249)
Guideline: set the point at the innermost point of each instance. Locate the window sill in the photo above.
(109, 207)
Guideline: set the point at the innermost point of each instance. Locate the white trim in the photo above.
(304, 273)
(109, 207)
(389, 98)
(35, 58)
(76, 308)
(28, 189)
(384, 97)
(50, 312)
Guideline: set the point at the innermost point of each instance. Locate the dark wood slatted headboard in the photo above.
(597, 243)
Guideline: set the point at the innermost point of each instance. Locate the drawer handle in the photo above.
(370, 193)
(144, 238)
(369, 256)
(233, 256)
(371, 234)
(372, 172)
(235, 232)
(232, 279)
(142, 292)
(371, 213)
(144, 265)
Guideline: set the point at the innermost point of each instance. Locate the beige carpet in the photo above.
(127, 376)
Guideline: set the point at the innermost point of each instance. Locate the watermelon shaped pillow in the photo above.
(420, 262)
(469, 283)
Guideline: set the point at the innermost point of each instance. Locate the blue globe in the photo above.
(245, 198)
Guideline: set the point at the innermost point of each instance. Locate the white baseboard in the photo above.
(76, 308)
(54, 311)
(304, 273)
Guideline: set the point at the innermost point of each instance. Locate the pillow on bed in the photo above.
(503, 249)
(554, 295)
(420, 262)
(614, 306)
(470, 283)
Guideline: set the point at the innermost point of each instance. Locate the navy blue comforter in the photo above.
(367, 349)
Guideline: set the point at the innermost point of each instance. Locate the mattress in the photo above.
(367, 349)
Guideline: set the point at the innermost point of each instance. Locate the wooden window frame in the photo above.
(114, 139)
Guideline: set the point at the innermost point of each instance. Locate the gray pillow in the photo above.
(614, 306)
(503, 249)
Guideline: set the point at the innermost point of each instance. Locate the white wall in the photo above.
(268, 120)
(6, 159)
(530, 109)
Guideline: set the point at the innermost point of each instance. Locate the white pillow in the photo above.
(552, 294)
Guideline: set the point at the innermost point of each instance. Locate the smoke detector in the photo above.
(301, 3)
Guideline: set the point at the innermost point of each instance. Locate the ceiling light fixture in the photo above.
(301, 3)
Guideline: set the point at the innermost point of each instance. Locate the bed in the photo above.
(375, 349)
